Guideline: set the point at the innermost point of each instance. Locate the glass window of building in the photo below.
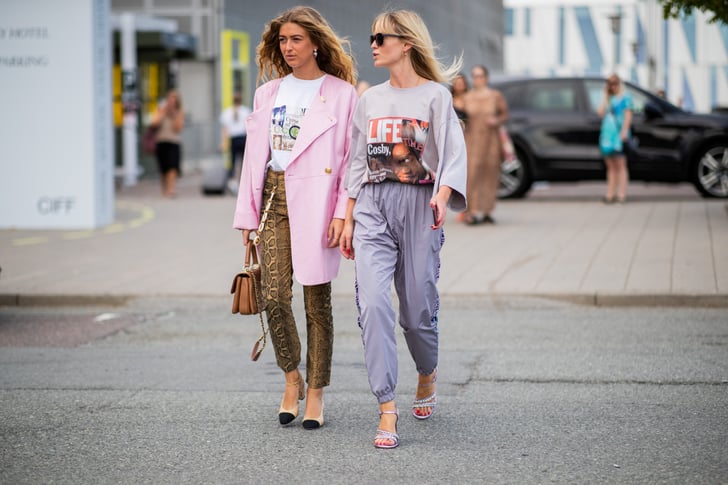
(508, 19)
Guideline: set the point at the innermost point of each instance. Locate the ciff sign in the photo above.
(56, 158)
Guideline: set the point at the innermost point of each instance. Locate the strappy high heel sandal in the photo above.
(387, 440)
(285, 416)
(426, 403)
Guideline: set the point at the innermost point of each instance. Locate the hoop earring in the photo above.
(315, 52)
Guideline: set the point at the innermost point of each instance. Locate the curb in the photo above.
(611, 299)
(63, 300)
(587, 299)
(648, 300)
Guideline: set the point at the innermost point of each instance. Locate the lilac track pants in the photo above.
(393, 241)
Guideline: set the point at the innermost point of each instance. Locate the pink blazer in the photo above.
(315, 189)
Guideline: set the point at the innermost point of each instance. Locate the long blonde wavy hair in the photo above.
(333, 55)
(412, 29)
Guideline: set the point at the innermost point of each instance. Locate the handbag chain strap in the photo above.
(264, 218)
(262, 324)
(256, 242)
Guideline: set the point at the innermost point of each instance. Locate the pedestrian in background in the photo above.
(296, 156)
(362, 86)
(233, 134)
(616, 113)
(169, 118)
(458, 88)
(487, 111)
(393, 227)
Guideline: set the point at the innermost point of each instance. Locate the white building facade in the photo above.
(685, 57)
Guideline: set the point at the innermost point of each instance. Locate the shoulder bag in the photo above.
(246, 289)
(246, 284)
(149, 139)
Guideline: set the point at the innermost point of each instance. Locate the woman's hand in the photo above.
(178, 120)
(156, 117)
(602, 110)
(345, 241)
(246, 235)
(626, 123)
(439, 206)
(224, 140)
(334, 234)
(346, 246)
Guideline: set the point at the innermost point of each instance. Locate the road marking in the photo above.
(143, 214)
(147, 214)
(114, 228)
(105, 317)
(70, 236)
(29, 241)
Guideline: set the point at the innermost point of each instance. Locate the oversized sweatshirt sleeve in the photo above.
(358, 151)
(453, 160)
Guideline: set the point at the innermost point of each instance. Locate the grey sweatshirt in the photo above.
(409, 135)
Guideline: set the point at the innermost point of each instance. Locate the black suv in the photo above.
(555, 131)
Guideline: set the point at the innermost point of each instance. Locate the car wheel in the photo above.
(515, 179)
(711, 171)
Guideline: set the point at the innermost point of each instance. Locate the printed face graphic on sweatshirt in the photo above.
(394, 151)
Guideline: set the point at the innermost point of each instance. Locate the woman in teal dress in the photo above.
(616, 114)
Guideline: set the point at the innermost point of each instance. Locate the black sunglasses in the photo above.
(379, 38)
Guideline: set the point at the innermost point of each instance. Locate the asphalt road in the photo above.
(529, 391)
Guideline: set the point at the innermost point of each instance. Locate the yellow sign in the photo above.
(235, 67)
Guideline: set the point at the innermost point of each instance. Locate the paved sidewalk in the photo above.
(657, 249)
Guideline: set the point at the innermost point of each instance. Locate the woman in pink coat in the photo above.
(296, 157)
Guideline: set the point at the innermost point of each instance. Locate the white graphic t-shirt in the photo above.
(293, 99)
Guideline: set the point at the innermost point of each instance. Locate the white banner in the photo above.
(56, 148)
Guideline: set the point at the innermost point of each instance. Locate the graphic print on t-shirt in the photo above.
(286, 125)
(394, 151)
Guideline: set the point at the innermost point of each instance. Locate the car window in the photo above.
(551, 97)
(514, 94)
(639, 100)
(595, 91)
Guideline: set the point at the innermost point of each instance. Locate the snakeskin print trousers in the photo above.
(277, 283)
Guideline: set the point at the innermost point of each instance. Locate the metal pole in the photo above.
(616, 24)
(129, 99)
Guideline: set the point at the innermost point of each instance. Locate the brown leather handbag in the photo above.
(247, 295)
(246, 290)
(246, 284)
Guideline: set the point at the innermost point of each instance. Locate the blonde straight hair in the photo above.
(333, 53)
(620, 84)
(412, 30)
